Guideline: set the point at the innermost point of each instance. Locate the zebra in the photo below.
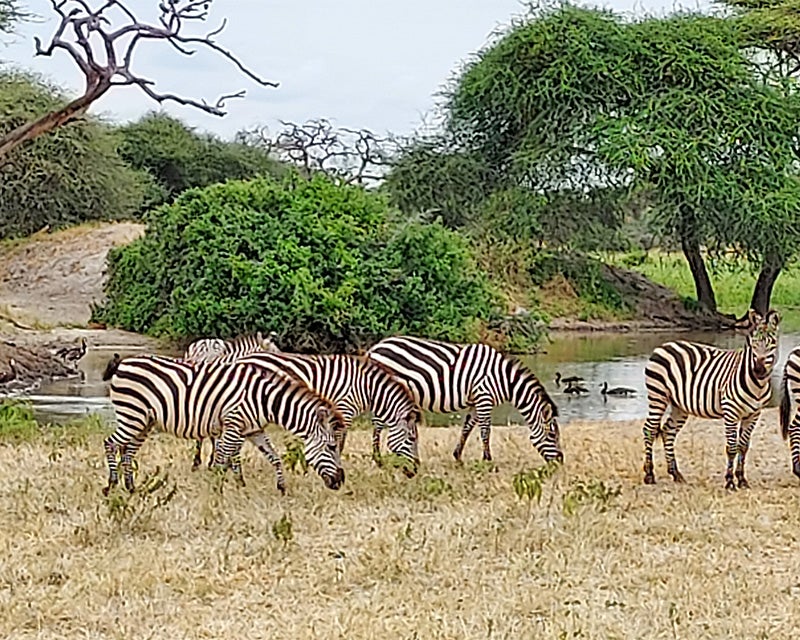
(231, 400)
(355, 385)
(445, 377)
(790, 422)
(704, 381)
(209, 349)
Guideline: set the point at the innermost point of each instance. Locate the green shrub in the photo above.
(317, 262)
(69, 175)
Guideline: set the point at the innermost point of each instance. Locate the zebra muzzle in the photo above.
(334, 481)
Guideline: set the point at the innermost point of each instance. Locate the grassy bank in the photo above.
(453, 553)
(733, 286)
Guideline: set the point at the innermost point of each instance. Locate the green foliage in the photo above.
(317, 262)
(11, 13)
(294, 457)
(529, 484)
(592, 492)
(178, 159)
(282, 529)
(71, 175)
(17, 423)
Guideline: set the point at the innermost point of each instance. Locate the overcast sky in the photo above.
(375, 64)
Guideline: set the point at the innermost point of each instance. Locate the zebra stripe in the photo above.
(234, 401)
(211, 349)
(704, 381)
(445, 377)
(790, 394)
(354, 385)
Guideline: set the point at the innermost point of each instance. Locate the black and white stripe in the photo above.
(354, 385)
(210, 349)
(232, 400)
(704, 381)
(444, 377)
(790, 407)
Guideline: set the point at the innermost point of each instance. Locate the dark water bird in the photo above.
(111, 367)
(617, 391)
(9, 374)
(575, 388)
(568, 381)
(73, 354)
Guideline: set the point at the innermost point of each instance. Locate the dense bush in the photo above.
(178, 158)
(70, 175)
(319, 263)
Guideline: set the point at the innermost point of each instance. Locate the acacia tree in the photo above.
(102, 37)
(671, 107)
(10, 14)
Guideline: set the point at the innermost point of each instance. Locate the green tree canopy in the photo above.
(178, 158)
(71, 176)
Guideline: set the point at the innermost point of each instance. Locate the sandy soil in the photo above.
(452, 553)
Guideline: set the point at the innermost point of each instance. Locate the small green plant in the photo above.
(393, 461)
(154, 492)
(17, 423)
(282, 529)
(479, 467)
(295, 456)
(594, 492)
(529, 484)
(435, 486)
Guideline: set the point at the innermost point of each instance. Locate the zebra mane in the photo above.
(527, 373)
(369, 362)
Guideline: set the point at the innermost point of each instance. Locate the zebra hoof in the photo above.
(678, 477)
(729, 485)
(649, 478)
(282, 488)
(796, 470)
(457, 455)
(743, 484)
(106, 490)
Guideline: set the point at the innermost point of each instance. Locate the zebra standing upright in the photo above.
(354, 385)
(210, 349)
(444, 377)
(232, 400)
(704, 381)
(790, 392)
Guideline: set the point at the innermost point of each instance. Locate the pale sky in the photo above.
(374, 64)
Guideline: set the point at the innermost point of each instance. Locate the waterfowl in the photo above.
(617, 391)
(72, 354)
(10, 373)
(568, 381)
(575, 388)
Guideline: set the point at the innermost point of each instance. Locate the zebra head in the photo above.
(540, 413)
(321, 449)
(204, 350)
(402, 439)
(761, 345)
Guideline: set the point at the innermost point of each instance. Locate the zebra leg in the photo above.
(651, 430)
(229, 452)
(211, 455)
(111, 449)
(745, 431)
(469, 425)
(260, 439)
(484, 411)
(731, 424)
(670, 431)
(376, 444)
(128, 453)
(198, 453)
(794, 444)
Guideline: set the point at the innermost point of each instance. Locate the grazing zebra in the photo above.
(354, 385)
(445, 377)
(231, 400)
(704, 381)
(208, 349)
(790, 422)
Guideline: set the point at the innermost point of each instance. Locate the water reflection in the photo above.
(597, 357)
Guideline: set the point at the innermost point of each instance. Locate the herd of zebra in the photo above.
(229, 390)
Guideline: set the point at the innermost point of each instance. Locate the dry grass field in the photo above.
(453, 553)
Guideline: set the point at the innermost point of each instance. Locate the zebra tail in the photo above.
(111, 368)
(786, 406)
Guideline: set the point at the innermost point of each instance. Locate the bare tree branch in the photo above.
(105, 55)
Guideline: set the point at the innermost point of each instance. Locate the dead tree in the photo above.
(104, 54)
(347, 155)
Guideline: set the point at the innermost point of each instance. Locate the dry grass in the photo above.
(452, 553)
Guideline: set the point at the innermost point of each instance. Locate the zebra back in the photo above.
(228, 351)
(790, 389)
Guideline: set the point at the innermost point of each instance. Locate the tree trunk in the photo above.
(762, 294)
(50, 121)
(702, 283)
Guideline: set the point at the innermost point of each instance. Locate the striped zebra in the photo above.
(234, 401)
(209, 349)
(445, 377)
(354, 385)
(790, 393)
(704, 381)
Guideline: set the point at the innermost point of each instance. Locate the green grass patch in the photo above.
(733, 283)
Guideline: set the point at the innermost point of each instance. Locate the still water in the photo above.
(596, 357)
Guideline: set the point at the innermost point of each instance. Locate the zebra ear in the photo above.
(773, 319)
(754, 319)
